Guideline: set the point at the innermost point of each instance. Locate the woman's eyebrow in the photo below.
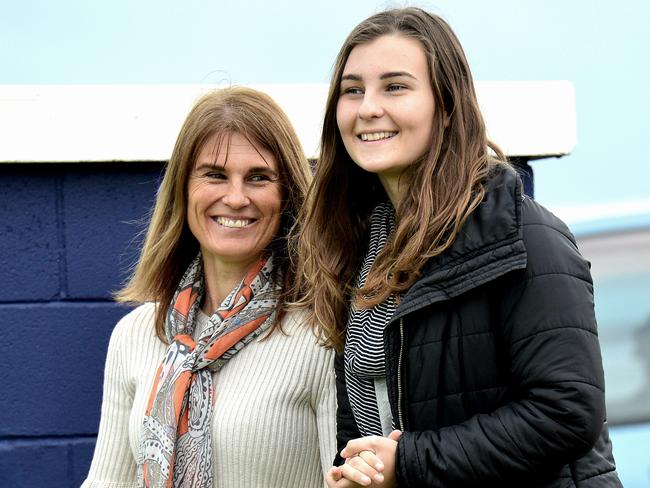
(210, 166)
(262, 169)
(383, 76)
(351, 77)
(219, 167)
(396, 74)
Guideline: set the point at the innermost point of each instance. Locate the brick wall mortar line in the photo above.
(46, 440)
(75, 301)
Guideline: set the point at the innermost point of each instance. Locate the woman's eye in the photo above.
(259, 178)
(216, 175)
(353, 90)
(395, 87)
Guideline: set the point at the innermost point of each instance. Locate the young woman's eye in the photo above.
(395, 87)
(352, 90)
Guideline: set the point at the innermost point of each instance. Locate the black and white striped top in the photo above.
(364, 344)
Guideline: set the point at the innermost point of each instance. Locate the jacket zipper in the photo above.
(400, 417)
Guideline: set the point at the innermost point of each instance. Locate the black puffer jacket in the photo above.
(492, 358)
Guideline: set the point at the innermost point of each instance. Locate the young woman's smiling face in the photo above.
(234, 200)
(386, 106)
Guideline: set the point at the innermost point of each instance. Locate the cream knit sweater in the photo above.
(274, 417)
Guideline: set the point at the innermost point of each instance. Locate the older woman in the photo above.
(211, 382)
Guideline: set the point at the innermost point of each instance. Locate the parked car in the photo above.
(619, 252)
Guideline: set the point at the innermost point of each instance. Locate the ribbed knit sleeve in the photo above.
(325, 417)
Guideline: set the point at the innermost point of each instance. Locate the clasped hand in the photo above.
(369, 461)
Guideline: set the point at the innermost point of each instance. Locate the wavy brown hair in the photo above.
(169, 246)
(445, 186)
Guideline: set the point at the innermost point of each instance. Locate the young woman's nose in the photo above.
(236, 196)
(371, 106)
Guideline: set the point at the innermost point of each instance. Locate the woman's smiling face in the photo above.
(234, 199)
(386, 106)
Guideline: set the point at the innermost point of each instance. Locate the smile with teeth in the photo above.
(236, 223)
(376, 136)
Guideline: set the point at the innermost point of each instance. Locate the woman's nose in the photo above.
(236, 196)
(371, 106)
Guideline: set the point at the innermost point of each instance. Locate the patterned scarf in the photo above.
(176, 448)
(364, 356)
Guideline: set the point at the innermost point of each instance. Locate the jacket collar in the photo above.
(489, 245)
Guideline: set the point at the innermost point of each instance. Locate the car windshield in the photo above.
(621, 272)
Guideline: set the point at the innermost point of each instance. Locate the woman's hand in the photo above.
(334, 479)
(369, 461)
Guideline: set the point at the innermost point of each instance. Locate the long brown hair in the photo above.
(169, 246)
(445, 186)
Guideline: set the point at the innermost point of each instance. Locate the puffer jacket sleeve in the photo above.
(557, 411)
(346, 427)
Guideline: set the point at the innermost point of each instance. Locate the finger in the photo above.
(395, 435)
(371, 458)
(335, 479)
(355, 446)
(360, 464)
(329, 481)
(358, 471)
(333, 475)
(343, 483)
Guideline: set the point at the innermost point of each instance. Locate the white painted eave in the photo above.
(93, 123)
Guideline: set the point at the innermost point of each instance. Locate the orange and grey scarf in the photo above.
(176, 448)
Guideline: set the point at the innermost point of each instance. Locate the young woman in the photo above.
(463, 309)
(212, 383)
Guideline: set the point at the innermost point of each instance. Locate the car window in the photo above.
(620, 266)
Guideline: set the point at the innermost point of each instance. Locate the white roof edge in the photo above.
(88, 123)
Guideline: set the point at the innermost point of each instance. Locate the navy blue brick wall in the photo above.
(68, 233)
(29, 261)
